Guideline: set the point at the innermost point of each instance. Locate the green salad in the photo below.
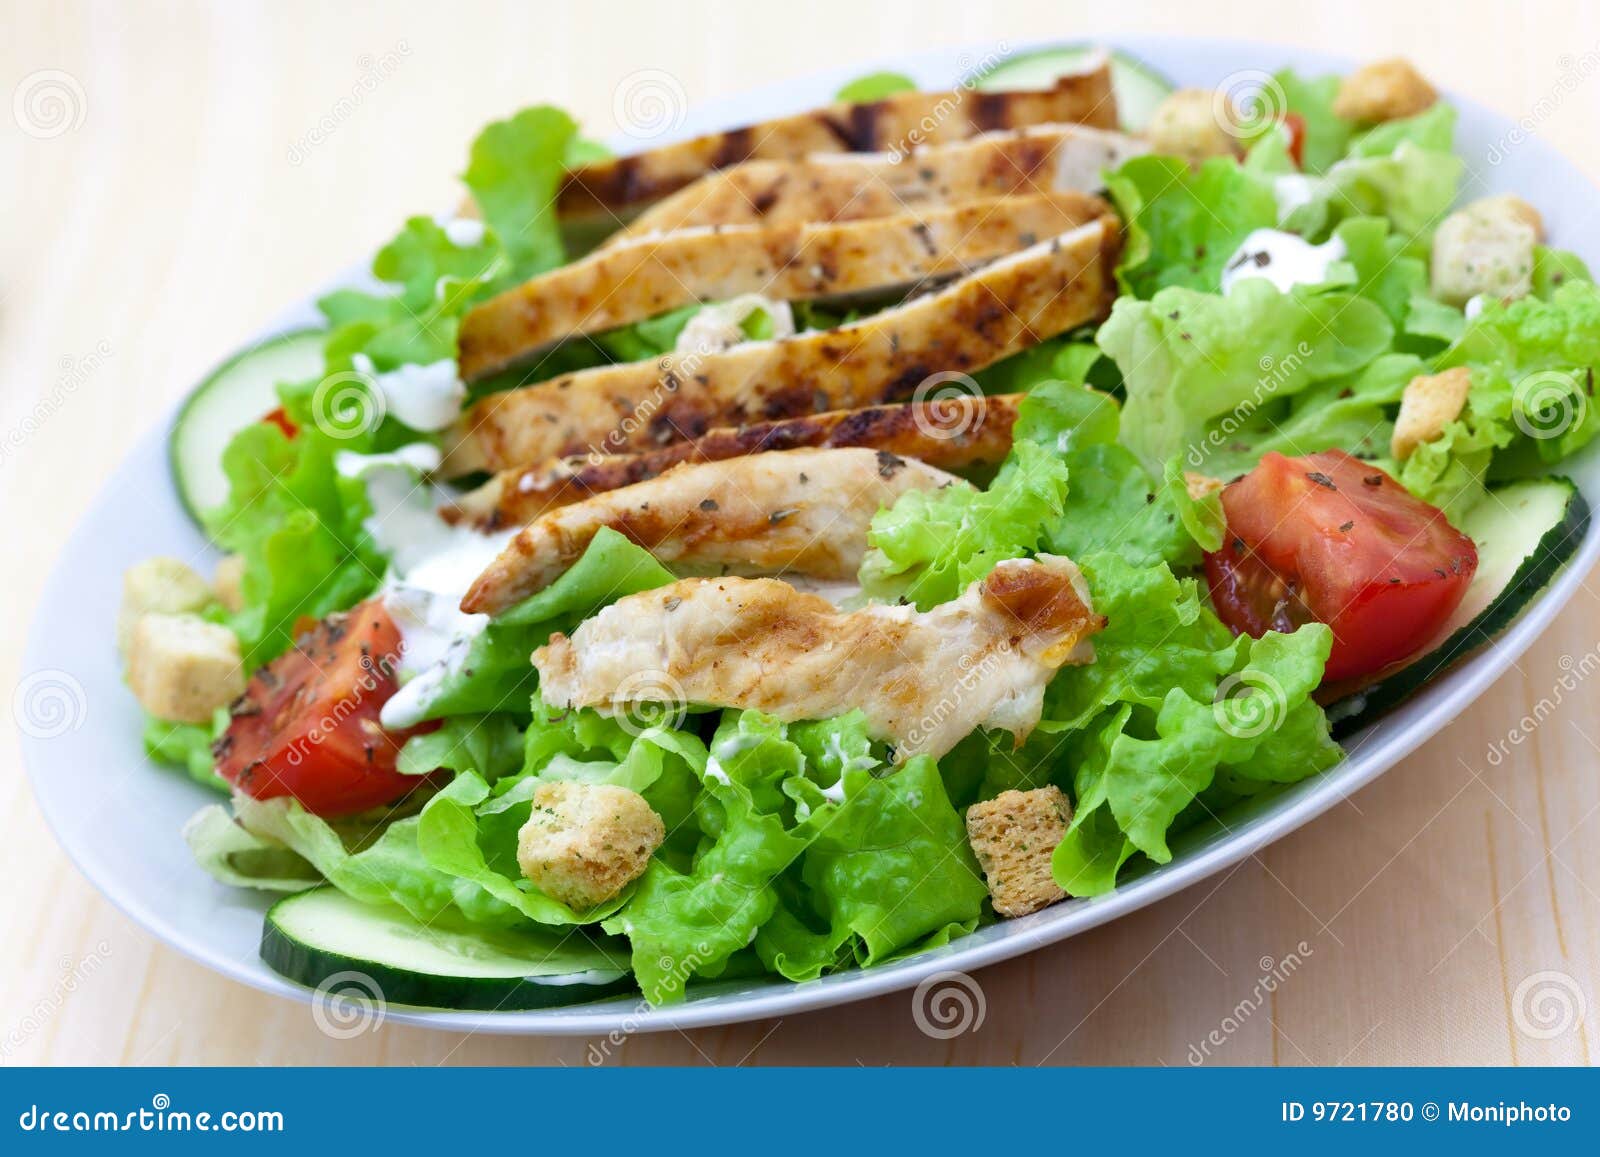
(718, 562)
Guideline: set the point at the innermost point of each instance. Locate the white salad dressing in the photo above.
(721, 327)
(463, 232)
(1281, 258)
(426, 398)
(1292, 190)
(1474, 305)
(431, 566)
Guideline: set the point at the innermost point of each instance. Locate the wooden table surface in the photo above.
(205, 165)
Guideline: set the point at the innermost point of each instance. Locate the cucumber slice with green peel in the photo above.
(1525, 532)
(236, 394)
(324, 939)
(1139, 87)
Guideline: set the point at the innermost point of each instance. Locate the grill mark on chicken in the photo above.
(1005, 307)
(923, 680)
(617, 186)
(958, 434)
(719, 516)
(852, 186)
(794, 262)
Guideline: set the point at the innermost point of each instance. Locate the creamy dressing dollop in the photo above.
(426, 398)
(431, 565)
(1281, 258)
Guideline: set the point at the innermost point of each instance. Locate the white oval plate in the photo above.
(119, 817)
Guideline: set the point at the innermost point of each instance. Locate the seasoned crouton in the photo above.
(1013, 836)
(163, 585)
(229, 581)
(585, 842)
(182, 668)
(1486, 248)
(1387, 90)
(1200, 485)
(1186, 125)
(1430, 403)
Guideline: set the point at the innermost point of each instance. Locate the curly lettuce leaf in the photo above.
(514, 172)
(186, 745)
(1189, 358)
(231, 855)
(876, 86)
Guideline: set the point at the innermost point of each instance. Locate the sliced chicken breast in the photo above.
(1007, 306)
(924, 680)
(801, 511)
(610, 189)
(650, 275)
(846, 187)
(960, 432)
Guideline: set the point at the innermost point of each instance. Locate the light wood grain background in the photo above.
(1448, 914)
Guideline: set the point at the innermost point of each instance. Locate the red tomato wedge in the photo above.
(307, 725)
(1331, 539)
(280, 418)
(1295, 125)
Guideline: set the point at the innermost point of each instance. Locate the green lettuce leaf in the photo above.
(876, 86)
(187, 745)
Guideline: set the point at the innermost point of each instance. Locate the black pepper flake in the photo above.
(708, 504)
(673, 603)
(889, 464)
(1321, 479)
(778, 516)
(1347, 527)
(1372, 480)
(1238, 546)
(1394, 582)
(1440, 571)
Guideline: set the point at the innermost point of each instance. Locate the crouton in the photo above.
(163, 585)
(1186, 124)
(1430, 403)
(1014, 836)
(585, 842)
(229, 582)
(1387, 90)
(1200, 485)
(182, 668)
(1486, 248)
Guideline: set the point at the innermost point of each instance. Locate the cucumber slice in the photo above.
(1139, 87)
(314, 937)
(1525, 533)
(239, 392)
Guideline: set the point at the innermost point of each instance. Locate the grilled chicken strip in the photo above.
(650, 275)
(610, 189)
(802, 511)
(924, 680)
(1007, 306)
(959, 432)
(1047, 159)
